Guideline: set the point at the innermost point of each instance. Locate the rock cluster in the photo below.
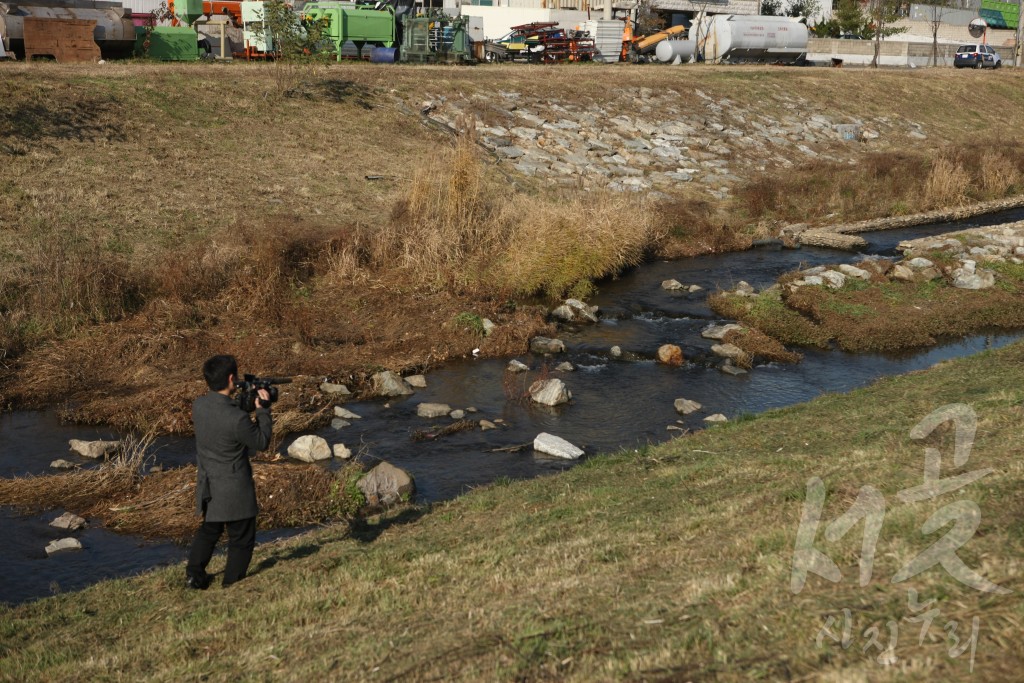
(666, 141)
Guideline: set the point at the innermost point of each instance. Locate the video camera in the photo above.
(249, 385)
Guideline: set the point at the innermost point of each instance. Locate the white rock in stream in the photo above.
(63, 544)
(718, 332)
(517, 366)
(432, 410)
(550, 392)
(717, 417)
(685, 406)
(93, 449)
(69, 521)
(556, 446)
(345, 413)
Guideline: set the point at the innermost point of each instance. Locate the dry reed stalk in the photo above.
(998, 174)
(947, 183)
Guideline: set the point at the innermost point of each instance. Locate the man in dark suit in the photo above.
(225, 493)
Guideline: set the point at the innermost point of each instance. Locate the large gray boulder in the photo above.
(729, 351)
(517, 366)
(93, 449)
(309, 448)
(685, 406)
(332, 388)
(582, 310)
(69, 521)
(556, 446)
(969, 277)
(546, 345)
(386, 484)
(550, 392)
(854, 271)
(833, 279)
(390, 384)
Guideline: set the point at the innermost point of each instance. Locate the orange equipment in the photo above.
(230, 8)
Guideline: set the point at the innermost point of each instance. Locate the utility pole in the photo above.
(1016, 43)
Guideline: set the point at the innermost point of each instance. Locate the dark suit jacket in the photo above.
(225, 435)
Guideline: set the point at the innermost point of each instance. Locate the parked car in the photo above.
(977, 57)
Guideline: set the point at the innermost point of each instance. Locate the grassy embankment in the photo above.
(150, 214)
(672, 563)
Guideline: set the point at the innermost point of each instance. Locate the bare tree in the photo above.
(936, 11)
(883, 13)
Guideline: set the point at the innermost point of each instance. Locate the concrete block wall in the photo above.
(892, 53)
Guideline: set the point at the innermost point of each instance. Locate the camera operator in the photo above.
(225, 493)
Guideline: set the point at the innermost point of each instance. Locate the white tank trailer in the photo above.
(675, 51)
(114, 32)
(733, 38)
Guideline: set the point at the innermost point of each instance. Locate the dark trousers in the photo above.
(241, 541)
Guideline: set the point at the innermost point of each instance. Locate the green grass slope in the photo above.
(669, 563)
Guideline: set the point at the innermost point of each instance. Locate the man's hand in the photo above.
(263, 398)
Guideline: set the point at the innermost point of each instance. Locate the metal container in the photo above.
(114, 32)
(345, 21)
(753, 38)
(675, 51)
(168, 43)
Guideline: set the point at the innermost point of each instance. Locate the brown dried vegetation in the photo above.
(162, 504)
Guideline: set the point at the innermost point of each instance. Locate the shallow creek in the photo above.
(617, 403)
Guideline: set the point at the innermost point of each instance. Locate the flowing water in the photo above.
(617, 403)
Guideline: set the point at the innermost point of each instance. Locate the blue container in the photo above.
(383, 55)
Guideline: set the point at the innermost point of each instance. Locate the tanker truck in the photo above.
(734, 38)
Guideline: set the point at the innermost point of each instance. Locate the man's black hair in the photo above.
(216, 370)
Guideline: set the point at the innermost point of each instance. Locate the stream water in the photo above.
(617, 403)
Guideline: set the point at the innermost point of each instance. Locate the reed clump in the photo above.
(462, 228)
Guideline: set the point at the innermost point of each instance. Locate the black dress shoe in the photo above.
(199, 583)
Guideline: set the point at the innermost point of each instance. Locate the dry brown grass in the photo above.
(118, 495)
(759, 346)
(461, 228)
